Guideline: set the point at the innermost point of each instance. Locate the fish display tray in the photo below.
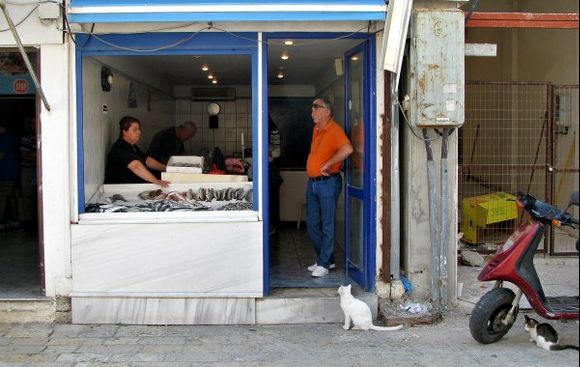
(185, 164)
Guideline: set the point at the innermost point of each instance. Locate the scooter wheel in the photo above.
(486, 321)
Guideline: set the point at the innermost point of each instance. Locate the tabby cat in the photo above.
(544, 335)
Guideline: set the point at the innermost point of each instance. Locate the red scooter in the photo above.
(496, 312)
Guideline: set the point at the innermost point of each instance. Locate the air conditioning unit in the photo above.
(213, 94)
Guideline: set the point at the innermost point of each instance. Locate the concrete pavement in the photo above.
(443, 344)
(447, 343)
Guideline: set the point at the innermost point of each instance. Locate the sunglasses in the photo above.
(316, 105)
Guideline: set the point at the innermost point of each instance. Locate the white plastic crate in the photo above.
(175, 164)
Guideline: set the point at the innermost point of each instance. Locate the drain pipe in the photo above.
(433, 233)
(444, 228)
(24, 55)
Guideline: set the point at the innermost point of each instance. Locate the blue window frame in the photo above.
(139, 44)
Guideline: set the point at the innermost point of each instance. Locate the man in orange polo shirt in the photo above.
(329, 148)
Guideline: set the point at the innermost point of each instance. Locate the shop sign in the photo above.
(20, 86)
(16, 84)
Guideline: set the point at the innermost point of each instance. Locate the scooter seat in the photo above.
(568, 304)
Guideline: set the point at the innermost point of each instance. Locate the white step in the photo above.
(306, 305)
(24, 310)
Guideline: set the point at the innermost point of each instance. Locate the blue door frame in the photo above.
(367, 277)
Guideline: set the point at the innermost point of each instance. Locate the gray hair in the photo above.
(189, 125)
(328, 104)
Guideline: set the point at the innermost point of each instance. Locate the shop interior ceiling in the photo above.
(308, 60)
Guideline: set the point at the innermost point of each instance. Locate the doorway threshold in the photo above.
(307, 305)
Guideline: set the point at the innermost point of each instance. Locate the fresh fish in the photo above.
(115, 198)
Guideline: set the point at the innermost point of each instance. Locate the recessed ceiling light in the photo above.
(285, 56)
(205, 67)
(288, 42)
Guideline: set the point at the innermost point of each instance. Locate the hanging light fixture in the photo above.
(210, 76)
(205, 67)
(285, 56)
(280, 75)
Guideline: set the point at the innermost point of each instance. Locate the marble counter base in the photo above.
(209, 259)
(163, 311)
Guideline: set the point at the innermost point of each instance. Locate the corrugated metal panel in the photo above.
(95, 11)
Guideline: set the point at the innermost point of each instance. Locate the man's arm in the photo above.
(155, 164)
(342, 153)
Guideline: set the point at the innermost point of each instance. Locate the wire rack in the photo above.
(517, 136)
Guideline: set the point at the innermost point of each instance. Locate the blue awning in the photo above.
(128, 11)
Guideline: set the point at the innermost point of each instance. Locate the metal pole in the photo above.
(433, 233)
(24, 55)
(395, 189)
(444, 215)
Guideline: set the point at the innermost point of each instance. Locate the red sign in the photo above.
(20, 86)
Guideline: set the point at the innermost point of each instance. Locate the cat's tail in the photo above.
(562, 347)
(386, 328)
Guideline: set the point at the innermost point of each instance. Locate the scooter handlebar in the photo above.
(544, 212)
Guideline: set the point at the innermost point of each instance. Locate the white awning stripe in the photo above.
(112, 9)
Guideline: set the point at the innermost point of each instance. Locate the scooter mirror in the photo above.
(574, 198)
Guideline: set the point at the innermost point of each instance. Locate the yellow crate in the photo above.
(479, 212)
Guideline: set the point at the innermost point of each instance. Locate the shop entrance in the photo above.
(300, 68)
(20, 262)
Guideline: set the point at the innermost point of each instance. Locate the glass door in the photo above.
(358, 216)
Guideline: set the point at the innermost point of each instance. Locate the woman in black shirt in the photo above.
(126, 163)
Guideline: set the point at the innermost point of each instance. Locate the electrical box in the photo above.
(49, 10)
(437, 68)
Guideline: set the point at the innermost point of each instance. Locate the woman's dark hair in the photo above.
(125, 124)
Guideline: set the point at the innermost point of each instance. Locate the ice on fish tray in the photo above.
(202, 198)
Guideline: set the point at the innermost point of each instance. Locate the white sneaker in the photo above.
(319, 271)
(313, 266)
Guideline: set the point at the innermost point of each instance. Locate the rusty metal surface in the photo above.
(385, 271)
(437, 62)
(522, 20)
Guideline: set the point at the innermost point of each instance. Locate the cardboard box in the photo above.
(482, 214)
(185, 164)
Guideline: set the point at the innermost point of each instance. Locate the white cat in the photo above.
(358, 312)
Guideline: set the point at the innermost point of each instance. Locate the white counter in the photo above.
(123, 261)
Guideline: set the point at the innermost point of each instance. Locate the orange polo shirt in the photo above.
(325, 143)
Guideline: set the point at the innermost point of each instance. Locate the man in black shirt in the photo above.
(169, 141)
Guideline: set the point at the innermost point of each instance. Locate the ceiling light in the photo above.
(215, 81)
(288, 42)
(280, 75)
(284, 56)
(210, 76)
(205, 67)
(354, 58)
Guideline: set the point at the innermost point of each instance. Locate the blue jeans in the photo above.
(321, 202)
